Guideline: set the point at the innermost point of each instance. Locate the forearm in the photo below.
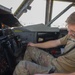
(48, 44)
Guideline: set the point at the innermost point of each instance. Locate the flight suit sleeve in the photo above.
(64, 39)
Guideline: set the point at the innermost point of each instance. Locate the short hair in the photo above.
(71, 19)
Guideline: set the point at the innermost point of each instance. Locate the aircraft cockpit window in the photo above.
(36, 12)
(58, 7)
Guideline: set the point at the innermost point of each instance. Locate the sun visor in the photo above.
(7, 18)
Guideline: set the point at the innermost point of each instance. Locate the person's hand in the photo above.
(31, 44)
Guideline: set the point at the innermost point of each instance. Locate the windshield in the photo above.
(37, 13)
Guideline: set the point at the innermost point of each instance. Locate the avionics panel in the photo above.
(36, 33)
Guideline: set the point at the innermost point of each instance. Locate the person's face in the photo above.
(71, 30)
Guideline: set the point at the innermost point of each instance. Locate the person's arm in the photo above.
(48, 44)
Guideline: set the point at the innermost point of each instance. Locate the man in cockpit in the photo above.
(45, 62)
